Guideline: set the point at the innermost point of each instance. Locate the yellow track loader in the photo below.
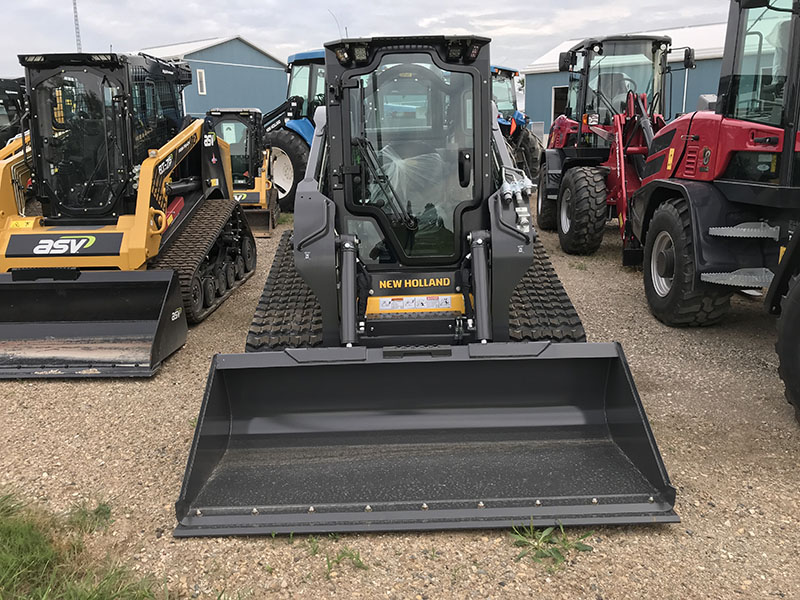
(128, 229)
(251, 163)
(414, 361)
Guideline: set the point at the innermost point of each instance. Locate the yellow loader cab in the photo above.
(251, 161)
(129, 229)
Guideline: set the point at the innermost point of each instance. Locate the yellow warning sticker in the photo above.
(22, 224)
(670, 158)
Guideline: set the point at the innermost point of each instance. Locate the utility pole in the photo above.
(77, 25)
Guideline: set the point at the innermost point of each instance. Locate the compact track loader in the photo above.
(414, 362)
(251, 163)
(128, 229)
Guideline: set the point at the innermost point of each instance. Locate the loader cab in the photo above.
(603, 71)
(410, 126)
(93, 119)
(759, 87)
(241, 130)
(307, 82)
(11, 107)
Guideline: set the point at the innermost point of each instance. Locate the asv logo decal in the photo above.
(66, 244)
(208, 139)
(176, 314)
(239, 197)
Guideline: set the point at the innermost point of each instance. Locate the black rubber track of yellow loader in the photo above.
(187, 252)
(289, 316)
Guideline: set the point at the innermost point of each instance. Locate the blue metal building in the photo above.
(228, 72)
(546, 87)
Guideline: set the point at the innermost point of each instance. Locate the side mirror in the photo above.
(688, 59)
(754, 3)
(565, 61)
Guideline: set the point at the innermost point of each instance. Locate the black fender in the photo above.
(554, 158)
(708, 207)
(787, 268)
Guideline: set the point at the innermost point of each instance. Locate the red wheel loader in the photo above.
(414, 362)
(595, 157)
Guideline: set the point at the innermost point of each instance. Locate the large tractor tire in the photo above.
(290, 153)
(669, 272)
(788, 346)
(546, 209)
(582, 210)
(289, 315)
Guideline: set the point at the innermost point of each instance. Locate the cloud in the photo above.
(521, 31)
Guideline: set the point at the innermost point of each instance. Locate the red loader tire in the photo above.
(582, 210)
(669, 272)
(788, 346)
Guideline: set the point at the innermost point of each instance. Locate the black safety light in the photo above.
(473, 49)
(343, 55)
(455, 48)
(360, 54)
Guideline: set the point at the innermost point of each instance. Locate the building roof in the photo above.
(180, 50)
(707, 40)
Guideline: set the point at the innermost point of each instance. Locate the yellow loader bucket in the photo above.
(70, 323)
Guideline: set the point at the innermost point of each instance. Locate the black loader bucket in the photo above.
(69, 323)
(339, 439)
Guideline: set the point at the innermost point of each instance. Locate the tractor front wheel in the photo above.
(546, 211)
(669, 272)
(582, 210)
(788, 346)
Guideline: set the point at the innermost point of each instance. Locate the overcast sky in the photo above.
(521, 31)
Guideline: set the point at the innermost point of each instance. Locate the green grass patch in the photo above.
(41, 557)
(85, 520)
(551, 546)
(286, 218)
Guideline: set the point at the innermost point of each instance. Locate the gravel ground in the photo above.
(729, 440)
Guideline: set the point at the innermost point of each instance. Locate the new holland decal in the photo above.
(414, 283)
(98, 244)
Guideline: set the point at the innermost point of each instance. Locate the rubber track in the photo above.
(589, 211)
(706, 304)
(788, 344)
(187, 252)
(288, 315)
(540, 308)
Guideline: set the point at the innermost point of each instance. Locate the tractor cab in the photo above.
(758, 90)
(11, 103)
(307, 82)
(603, 72)
(504, 93)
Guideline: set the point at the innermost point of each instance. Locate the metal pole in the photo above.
(685, 88)
(77, 25)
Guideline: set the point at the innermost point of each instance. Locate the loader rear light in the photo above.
(591, 119)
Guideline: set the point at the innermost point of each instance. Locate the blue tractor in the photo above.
(290, 127)
(525, 148)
